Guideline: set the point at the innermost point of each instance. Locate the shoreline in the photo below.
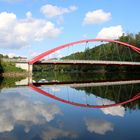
(14, 74)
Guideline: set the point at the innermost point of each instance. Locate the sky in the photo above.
(30, 27)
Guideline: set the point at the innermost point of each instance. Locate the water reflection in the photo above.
(30, 115)
(25, 113)
(16, 108)
(104, 103)
(1, 71)
(51, 133)
(114, 111)
(98, 126)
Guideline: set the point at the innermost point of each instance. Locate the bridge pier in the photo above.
(30, 69)
(27, 67)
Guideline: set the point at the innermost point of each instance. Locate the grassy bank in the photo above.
(8, 69)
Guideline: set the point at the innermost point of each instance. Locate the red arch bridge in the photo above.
(45, 93)
(131, 49)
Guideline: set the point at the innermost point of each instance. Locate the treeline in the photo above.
(74, 77)
(7, 57)
(111, 51)
(106, 51)
(116, 93)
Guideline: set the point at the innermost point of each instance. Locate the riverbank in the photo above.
(14, 74)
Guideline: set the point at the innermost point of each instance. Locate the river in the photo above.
(71, 106)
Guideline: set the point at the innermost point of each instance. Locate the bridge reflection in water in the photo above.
(120, 92)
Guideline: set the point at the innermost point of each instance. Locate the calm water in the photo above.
(96, 110)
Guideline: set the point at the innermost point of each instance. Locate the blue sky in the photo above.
(30, 27)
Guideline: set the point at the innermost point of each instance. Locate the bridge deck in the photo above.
(88, 62)
(88, 84)
(78, 62)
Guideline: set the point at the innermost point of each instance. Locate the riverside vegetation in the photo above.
(9, 68)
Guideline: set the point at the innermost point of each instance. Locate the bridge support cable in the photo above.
(106, 90)
(41, 91)
(121, 44)
(68, 49)
(129, 49)
(131, 91)
(118, 94)
(99, 53)
(113, 93)
(86, 51)
(68, 94)
(117, 48)
(100, 90)
(113, 50)
(73, 56)
(104, 50)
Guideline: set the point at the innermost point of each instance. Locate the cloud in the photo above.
(52, 133)
(53, 11)
(55, 89)
(14, 112)
(112, 32)
(96, 17)
(114, 111)
(17, 33)
(98, 126)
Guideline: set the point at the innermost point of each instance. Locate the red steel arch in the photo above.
(136, 97)
(32, 61)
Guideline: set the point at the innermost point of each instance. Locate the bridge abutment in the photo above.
(25, 66)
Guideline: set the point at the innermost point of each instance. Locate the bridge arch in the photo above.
(42, 55)
(136, 97)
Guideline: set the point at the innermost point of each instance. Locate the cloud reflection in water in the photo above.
(114, 111)
(15, 108)
(98, 126)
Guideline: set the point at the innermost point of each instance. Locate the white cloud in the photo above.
(52, 133)
(112, 32)
(98, 126)
(55, 89)
(29, 14)
(17, 33)
(53, 11)
(114, 111)
(96, 17)
(13, 112)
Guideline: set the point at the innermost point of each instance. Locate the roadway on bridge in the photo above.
(87, 83)
(88, 62)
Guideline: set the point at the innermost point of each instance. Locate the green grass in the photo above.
(9, 67)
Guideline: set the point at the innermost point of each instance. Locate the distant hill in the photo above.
(108, 51)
